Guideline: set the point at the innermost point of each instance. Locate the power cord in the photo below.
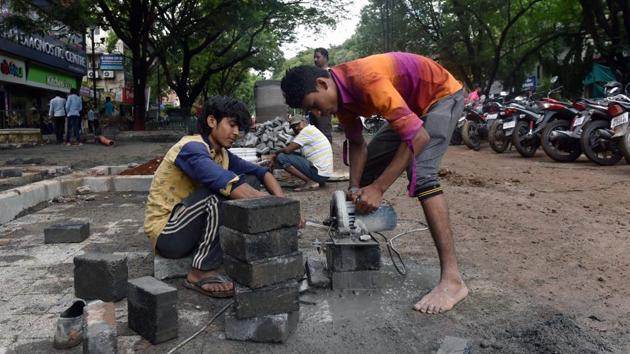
(402, 269)
(202, 328)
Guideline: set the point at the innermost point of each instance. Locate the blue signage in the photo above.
(112, 62)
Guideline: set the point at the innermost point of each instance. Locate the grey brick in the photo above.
(250, 247)
(10, 172)
(265, 272)
(167, 268)
(269, 300)
(152, 309)
(260, 214)
(268, 328)
(100, 276)
(347, 254)
(66, 233)
(455, 345)
(362, 279)
(99, 328)
(316, 272)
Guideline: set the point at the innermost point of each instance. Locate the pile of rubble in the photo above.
(269, 136)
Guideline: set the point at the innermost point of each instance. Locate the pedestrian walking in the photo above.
(57, 112)
(74, 105)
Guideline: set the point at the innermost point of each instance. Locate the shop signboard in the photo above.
(56, 46)
(48, 79)
(12, 70)
(112, 62)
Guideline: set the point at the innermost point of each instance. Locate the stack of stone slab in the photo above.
(260, 253)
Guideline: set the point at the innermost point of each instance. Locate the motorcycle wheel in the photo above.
(526, 146)
(497, 139)
(624, 146)
(456, 138)
(562, 151)
(602, 153)
(470, 135)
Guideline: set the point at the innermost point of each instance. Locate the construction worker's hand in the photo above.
(367, 199)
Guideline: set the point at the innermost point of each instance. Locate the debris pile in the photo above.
(269, 136)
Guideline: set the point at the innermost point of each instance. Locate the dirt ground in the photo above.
(543, 246)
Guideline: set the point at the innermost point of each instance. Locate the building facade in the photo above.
(34, 68)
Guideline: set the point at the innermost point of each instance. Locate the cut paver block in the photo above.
(357, 280)
(100, 276)
(66, 233)
(99, 328)
(316, 272)
(265, 272)
(455, 345)
(167, 268)
(268, 328)
(260, 214)
(347, 254)
(152, 309)
(270, 300)
(250, 247)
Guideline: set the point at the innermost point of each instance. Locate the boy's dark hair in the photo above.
(73, 91)
(322, 51)
(221, 107)
(299, 82)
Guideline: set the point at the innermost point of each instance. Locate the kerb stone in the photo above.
(100, 276)
(99, 328)
(265, 272)
(269, 300)
(67, 233)
(152, 309)
(260, 214)
(167, 268)
(250, 247)
(268, 328)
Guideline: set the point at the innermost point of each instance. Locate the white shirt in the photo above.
(57, 107)
(316, 148)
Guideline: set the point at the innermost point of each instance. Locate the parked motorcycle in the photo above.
(556, 138)
(477, 122)
(372, 124)
(619, 108)
(500, 134)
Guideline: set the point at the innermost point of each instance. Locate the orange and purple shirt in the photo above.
(399, 86)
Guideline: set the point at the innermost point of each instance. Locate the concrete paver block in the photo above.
(100, 276)
(361, 279)
(67, 233)
(455, 345)
(250, 247)
(316, 272)
(269, 300)
(152, 309)
(260, 214)
(269, 328)
(99, 328)
(265, 272)
(344, 255)
(168, 268)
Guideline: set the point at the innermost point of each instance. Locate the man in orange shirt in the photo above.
(421, 102)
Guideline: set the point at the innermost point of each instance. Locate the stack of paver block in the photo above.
(260, 253)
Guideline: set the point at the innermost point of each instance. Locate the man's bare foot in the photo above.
(195, 275)
(443, 297)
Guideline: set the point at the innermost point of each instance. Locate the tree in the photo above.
(211, 37)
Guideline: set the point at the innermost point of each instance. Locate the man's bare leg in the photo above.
(451, 288)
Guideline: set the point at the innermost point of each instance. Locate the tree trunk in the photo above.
(139, 73)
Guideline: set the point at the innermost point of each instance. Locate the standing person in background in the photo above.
(108, 107)
(315, 117)
(92, 121)
(473, 96)
(74, 105)
(57, 112)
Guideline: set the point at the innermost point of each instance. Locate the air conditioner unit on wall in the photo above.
(108, 74)
(92, 74)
